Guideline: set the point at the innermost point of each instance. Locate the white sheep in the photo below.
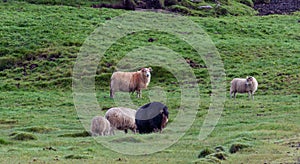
(101, 126)
(241, 85)
(121, 118)
(130, 81)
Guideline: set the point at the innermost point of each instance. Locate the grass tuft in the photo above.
(24, 136)
(219, 148)
(219, 155)
(237, 147)
(205, 152)
(215, 155)
(3, 142)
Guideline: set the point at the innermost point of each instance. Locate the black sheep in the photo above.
(151, 117)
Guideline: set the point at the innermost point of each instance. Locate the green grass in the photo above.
(40, 105)
(267, 126)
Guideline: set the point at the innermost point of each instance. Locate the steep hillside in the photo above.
(40, 45)
(187, 7)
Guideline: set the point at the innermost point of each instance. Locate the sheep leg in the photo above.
(155, 130)
(126, 131)
(138, 93)
(133, 130)
(249, 94)
(111, 93)
(112, 131)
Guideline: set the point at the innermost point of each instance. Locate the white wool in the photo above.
(100, 126)
(121, 118)
(130, 81)
(240, 85)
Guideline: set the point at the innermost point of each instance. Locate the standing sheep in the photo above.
(152, 117)
(240, 85)
(100, 126)
(130, 81)
(121, 118)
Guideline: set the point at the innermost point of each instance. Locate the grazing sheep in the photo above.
(100, 126)
(152, 117)
(121, 118)
(130, 81)
(240, 85)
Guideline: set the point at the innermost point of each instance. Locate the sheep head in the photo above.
(146, 71)
(249, 80)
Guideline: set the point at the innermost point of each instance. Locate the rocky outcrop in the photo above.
(277, 7)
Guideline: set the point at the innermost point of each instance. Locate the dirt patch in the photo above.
(193, 64)
(49, 148)
(294, 144)
(8, 121)
(72, 156)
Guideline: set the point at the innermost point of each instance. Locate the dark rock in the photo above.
(33, 66)
(150, 40)
(277, 6)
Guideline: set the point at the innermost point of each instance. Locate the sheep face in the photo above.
(146, 71)
(249, 81)
(164, 121)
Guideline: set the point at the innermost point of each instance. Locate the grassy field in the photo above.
(39, 123)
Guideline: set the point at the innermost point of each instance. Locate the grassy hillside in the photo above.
(40, 43)
(39, 123)
(187, 7)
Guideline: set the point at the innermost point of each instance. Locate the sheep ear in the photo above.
(150, 69)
